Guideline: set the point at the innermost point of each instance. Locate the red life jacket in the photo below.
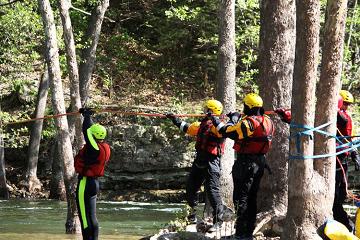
(260, 141)
(94, 170)
(344, 129)
(208, 141)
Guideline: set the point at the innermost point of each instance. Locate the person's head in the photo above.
(98, 132)
(347, 98)
(253, 104)
(214, 106)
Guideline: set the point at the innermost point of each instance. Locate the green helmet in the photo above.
(98, 131)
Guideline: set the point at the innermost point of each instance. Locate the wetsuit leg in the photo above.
(86, 202)
(252, 200)
(212, 188)
(194, 182)
(339, 213)
(246, 177)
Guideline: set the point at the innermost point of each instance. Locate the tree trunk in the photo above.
(89, 53)
(304, 182)
(31, 180)
(226, 87)
(65, 149)
(75, 120)
(4, 193)
(328, 91)
(276, 57)
(57, 186)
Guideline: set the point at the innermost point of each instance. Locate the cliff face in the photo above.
(146, 157)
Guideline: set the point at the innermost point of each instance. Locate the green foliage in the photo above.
(20, 38)
(351, 64)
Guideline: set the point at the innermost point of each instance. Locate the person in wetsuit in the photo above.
(206, 167)
(90, 164)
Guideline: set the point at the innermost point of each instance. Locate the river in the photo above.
(45, 219)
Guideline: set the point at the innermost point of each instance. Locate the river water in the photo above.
(45, 219)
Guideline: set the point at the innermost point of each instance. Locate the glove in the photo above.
(356, 159)
(86, 111)
(234, 116)
(285, 115)
(170, 116)
(173, 118)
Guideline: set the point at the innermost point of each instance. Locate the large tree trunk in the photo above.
(304, 182)
(4, 193)
(276, 57)
(226, 87)
(328, 91)
(31, 180)
(75, 120)
(89, 53)
(65, 149)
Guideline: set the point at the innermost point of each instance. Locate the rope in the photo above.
(124, 113)
(349, 146)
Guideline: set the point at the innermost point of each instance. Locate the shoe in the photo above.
(192, 219)
(216, 227)
(227, 214)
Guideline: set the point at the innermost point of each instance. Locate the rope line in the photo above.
(349, 146)
(124, 113)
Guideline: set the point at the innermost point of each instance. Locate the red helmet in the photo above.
(340, 102)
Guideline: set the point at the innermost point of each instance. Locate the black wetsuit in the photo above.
(87, 190)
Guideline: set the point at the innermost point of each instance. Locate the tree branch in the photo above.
(9, 3)
(87, 13)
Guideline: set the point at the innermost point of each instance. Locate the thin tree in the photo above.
(75, 120)
(31, 178)
(226, 86)
(328, 91)
(4, 192)
(89, 53)
(65, 149)
(276, 58)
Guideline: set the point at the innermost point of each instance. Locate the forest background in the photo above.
(155, 54)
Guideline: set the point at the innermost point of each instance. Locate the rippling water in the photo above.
(22, 219)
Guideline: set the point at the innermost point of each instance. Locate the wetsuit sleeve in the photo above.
(242, 129)
(182, 125)
(91, 154)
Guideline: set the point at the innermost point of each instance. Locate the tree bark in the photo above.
(304, 182)
(328, 91)
(65, 149)
(57, 186)
(75, 120)
(89, 53)
(4, 192)
(226, 87)
(276, 58)
(31, 180)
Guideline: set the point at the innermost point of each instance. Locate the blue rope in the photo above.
(309, 132)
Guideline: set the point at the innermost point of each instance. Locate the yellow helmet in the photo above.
(215, 106)
(253, 100)
(346, 96)
(98, 131)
